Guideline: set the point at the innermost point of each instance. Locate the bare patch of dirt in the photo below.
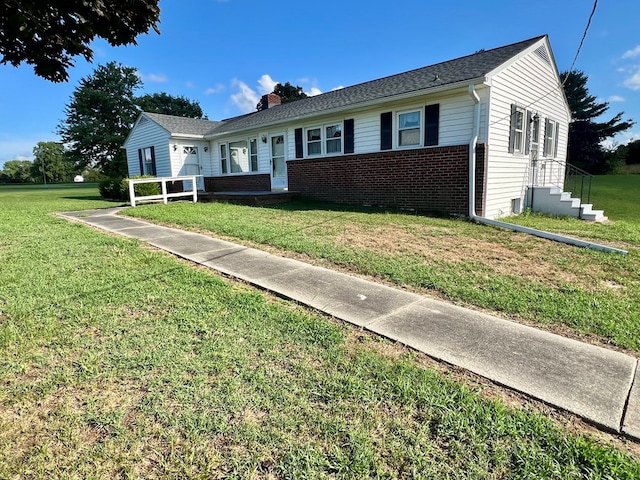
(522, 257)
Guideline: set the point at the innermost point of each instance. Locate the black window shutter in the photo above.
(432, 124)
(140, 160)
(349, 143)
(298, 138)
(512, 132)
(556, 140)
(153, 161)
(528, 135)
(386, 132)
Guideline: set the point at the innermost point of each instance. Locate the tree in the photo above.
(287, 93)
(585, 133)
(98, 118)
(48, 34)
(51, 163)
(17, 171)
(170, 105)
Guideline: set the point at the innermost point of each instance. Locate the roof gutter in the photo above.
(496, 223)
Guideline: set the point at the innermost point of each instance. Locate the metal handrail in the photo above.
(576, 180)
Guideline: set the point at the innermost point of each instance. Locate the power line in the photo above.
(584, 36)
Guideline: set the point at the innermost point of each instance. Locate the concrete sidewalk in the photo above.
(602, 386)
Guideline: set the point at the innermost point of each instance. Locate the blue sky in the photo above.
(227, 53)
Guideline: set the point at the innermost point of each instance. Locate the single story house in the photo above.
(490, 125)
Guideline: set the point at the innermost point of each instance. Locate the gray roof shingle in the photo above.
(183, 125)
(441, 74)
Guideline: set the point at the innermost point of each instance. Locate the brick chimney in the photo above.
(269, 100)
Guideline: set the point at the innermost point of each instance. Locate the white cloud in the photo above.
(152, 77)
(337, 88)
(633, 82)
(314, 91)
(217, 89)
(246, 99)
(615, 98)
(632, 53)
(189, 84)
(267, 84)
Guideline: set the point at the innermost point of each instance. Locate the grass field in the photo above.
(575, 291)
(119, 361)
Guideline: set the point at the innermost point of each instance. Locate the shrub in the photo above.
(111, 189)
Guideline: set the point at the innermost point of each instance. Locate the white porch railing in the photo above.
(164, 196)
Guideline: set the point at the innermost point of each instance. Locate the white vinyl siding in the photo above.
(144, 135)
(533, 83)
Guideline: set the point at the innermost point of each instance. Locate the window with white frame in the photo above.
(410, 128)
(325, 140)
(551, 130)
(517, 129)
(240, 156)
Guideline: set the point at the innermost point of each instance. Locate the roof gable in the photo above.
(178, 126)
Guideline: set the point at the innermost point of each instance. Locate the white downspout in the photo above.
(496, 223)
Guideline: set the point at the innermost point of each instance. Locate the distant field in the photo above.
(618, 196)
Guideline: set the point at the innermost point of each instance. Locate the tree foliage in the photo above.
(169, 105)
(51, 163)
(287, 93)
(16, 171)
(585, 132)
(48, 34)
(99, 116)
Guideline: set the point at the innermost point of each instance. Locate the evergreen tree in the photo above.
(585, 132)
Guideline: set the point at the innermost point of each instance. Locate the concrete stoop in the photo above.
(554, 201)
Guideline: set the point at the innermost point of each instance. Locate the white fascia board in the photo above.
(358, 106)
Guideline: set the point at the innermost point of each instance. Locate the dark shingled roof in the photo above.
(450, 72)
(182, 125)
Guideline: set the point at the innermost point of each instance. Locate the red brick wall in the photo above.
(238, 183)
(429, 179)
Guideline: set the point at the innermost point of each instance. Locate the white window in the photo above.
(333, 138)
(409, 129)
(551, 130)
(314, 141)
(518, 130)
(325, 140)
(240, 156)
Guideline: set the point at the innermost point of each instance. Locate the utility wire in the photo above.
(575, 59)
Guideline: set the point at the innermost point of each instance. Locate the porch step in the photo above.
(587, 213)
(554, 201)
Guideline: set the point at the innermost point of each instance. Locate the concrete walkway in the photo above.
(602, 386)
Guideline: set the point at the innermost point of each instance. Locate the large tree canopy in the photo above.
(16, 171)
(169, 105)
(585, 132)
(101, 112)
(48, 34)
(50, 163)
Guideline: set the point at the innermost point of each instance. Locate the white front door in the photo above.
(191, 162)
(278, 163)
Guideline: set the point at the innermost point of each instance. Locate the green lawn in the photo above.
(618, 196)
(119, 361)
(581, 292)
